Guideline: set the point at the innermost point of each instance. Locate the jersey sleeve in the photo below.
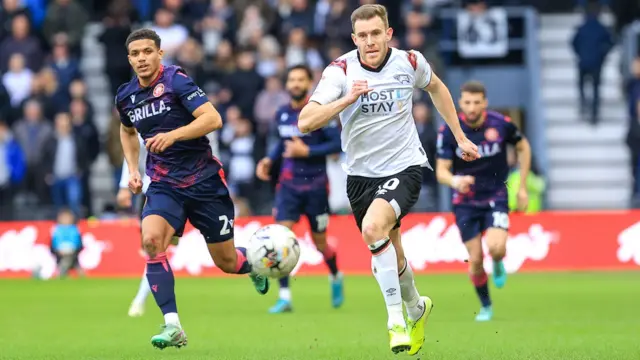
(331, 145)
(124, 118)
(513, 134)
(191, 96)
(331, 86)
(446, 144)
(423, 69)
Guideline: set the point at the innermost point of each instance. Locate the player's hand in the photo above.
(463, 183)
(160, 142)
(263, 169)
(469, 150)
(124, 198)
(135, 182)
(523, 200)
(358, 88)
(295, 148)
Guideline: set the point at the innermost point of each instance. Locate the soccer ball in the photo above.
(273, 251)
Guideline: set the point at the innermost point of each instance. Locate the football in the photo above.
(273, 251)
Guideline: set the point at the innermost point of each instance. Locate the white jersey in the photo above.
(379, 135)
(124, 178)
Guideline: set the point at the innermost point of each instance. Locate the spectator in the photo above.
(85, 130)
(267, 103)
(12, 169)
(117, 27)
(10, 10)
(269, 61)
(23, 43)
(338, 23)
(298, 52)
(219, 23)
(114, 147)
(633, 142)
(64, 23)
(252, 23)
(301, 16)
(17, 80)
(66, 69)
(190, 58)
(245, 83)
(65, 161)
(173, 35)
(32, 133)
(66, 244)
(45, 90)
(591, 44)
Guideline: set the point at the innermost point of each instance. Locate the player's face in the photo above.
(145, 58)
(473, 106)
(298, 84)
(372, 37)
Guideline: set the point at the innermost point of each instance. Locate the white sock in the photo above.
(409, 293)
(172, 318)
(385, 270)
(143, 291)
(285, 294)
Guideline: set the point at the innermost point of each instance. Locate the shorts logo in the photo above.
(158, 90)
(491, 134)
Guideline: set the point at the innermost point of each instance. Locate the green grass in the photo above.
(537, 316)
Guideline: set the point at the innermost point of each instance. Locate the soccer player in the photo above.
(173, 116)
(371, 89)
(303, 182)
(480, 201)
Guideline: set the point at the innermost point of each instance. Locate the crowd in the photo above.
(237, 51)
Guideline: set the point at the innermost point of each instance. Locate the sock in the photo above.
(482, 288)
(242, 265)
(331, 259)
(385, 270)
(162, 284)
(143, 290)
(285, 291)
(410, 295)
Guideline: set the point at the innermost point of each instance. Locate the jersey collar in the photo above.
(155, 81)
(380, 67)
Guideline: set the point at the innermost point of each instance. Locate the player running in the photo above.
(371, 89)
(173, 115)
(303, 183)
(480, 202)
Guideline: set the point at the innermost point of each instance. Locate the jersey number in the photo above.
(323, 222)
(226, 225)
(500, 220)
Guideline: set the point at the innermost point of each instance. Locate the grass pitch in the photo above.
(537, 316)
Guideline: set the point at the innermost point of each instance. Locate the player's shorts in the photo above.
(207, 205)
(314, 204)
(475, 220)
(400, 190)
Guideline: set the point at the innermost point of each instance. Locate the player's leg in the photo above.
(211, 211)
(469, 222)
(479, 277)
(497, 223)
(380, 218)
(162, 214)
(418, 307)
(287, 210)
(317, 212)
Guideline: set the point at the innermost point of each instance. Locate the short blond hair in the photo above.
(370, 11)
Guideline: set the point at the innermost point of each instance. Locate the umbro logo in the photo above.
(391, 291)
(381, 191)
(403, 78)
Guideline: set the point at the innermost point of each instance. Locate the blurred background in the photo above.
(565, 71)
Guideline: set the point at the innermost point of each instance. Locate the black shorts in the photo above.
(400, 190)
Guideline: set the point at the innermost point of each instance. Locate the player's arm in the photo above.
(523, 152)
(326, 102)
(444, 163)
(331, 146)
(426, 79)
(207, 119)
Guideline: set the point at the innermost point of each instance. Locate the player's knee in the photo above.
(152, 243)
(372, 232)
(497, 251)
(226, 261)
